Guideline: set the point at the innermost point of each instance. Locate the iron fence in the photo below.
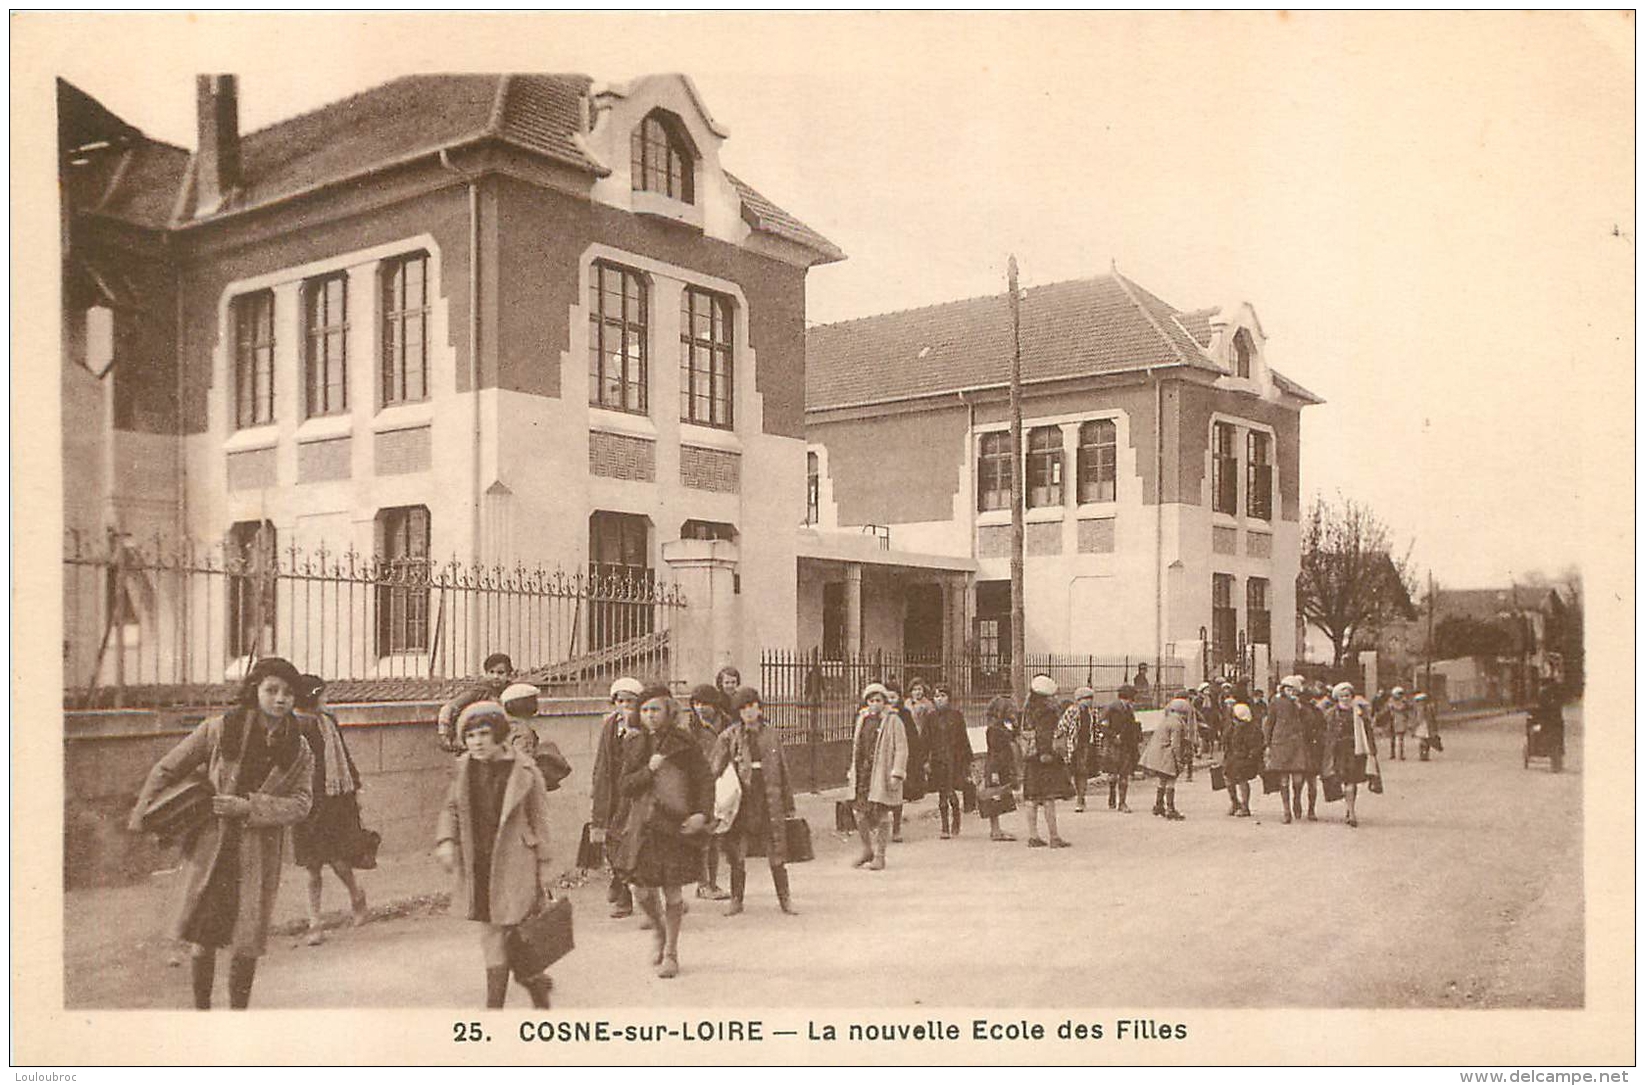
(163, 623)
(813, 699)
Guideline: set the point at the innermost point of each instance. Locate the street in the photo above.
(1461, 888)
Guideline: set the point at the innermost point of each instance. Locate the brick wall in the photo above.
(710, 469)
(401, 452)
(994, 541)
(322, 461)
(1259, 544)
(251, 470)
(1096, 536)
(1224, 540)
(1043, 538)
(617, 457)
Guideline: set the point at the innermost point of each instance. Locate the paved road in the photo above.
(1461, 888)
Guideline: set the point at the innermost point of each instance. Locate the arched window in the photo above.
(660, 158)
(1242, 353)
(813, 489)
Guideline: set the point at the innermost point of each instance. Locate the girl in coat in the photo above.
(492, 835)
(1349, 742)
(1242, 759)
(1045, 771)
(999, 769)
(1166, 754)
(331, 834)
(1286, 731)
(913, 727)
(671, 803)
(1079, 723)
(879, 763)
(754, 748)
(1121, 740)
(262, 773)
(1427, 725)
(949, 758)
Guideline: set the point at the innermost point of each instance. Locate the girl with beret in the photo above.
(879, 762)
(262, 773)
(755, 751)
(1242, 759)
(948, 757)
(1045, 771)
(999, 769)
(1349, 742)
(1165, 756)
(330, 835)
(670, 791)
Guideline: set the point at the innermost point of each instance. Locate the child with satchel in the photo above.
(492, 835)
(755, 751)
(999, 773)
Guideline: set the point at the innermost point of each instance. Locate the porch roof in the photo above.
(866, 550)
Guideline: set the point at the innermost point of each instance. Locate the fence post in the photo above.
(813, 714)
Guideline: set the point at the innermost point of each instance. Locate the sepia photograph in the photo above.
(785, 538)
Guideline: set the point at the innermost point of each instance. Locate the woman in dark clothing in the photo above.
(913, 713)
(999, 769)
(670, 792)
(756, 751)
(709, 720)
(1241, 760)
(261, 772)
(331, 833)
(1045, 771)
(1121, 742)
(949, 758)
(1348, 744)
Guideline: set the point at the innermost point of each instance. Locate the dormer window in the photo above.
(1242, 353)
(660, 158)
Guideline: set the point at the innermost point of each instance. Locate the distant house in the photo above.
(1160, 466)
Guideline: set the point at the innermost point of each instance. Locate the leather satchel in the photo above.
(590, 857)
(845, 817)
(541, 939)
(995, 801)
(181, 809)
(1218, 782)
(798, 834)
(1272, 781)
(364, 856)
(552, 764)
(968, 796)
(1333, 788)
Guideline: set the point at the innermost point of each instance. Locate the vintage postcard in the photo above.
(824, 538)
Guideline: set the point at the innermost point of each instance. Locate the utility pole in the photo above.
(1019, 674)
(1428, 664)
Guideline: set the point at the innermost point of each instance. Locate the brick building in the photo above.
(1161, 461)
(506, 318)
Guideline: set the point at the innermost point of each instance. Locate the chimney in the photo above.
(217, 162)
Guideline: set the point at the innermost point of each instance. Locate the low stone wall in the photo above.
(107, 755)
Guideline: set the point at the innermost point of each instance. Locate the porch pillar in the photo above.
(701, 635)
(853, 608)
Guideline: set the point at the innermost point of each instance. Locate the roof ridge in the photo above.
(361, 93)
(958, 301)
(499, 105)
(1127, 286)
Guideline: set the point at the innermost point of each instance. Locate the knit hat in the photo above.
(626, 685)
(1242, 712)
(653, 691)
(521, 699)
(1126, 690)
(1342, 688)
(1399, 691)
(1295, 682)
(1043, 685)
(875, 688)
(1179, 706)
(745, 695)
(1084, 692)
(484, 714)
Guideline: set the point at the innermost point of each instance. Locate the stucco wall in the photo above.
(896, 470)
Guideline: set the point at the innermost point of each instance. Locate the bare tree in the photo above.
(1351, 582)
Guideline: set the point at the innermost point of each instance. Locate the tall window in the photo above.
(1242, 353)
(1259, 477)
(833, 621)
(1224, 470)
(616, 338)
(325, 345)
(403, 569)
(813, 489)
(660, 160)
(249, 562)
(994, 627)
(1097, 460)
(1224, 620)
(1044, 467)
(994, 471)
(254, 359)
(405, 329)
(619, 561)
(705, 358)
(1256, 610)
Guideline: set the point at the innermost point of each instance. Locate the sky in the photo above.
(1431, 214)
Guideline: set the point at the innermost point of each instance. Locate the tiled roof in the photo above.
(110, 168)
(1084, 326)
(419, 115)
(1197, 323)
(762, 214)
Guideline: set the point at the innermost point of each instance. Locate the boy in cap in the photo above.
(620, 733)
(493, 836)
